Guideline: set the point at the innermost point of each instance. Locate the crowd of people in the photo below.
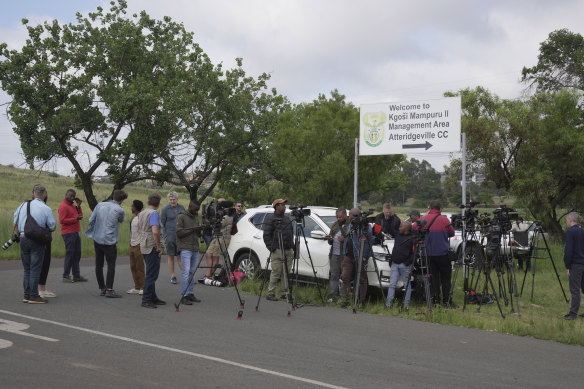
(181, 232)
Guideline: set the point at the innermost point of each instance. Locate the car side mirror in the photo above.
(317, 235)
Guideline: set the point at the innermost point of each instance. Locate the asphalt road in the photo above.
(82, 340)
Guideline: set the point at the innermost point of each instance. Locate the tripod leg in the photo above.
(228, 269)
(554, 266)
(311, 264)
(358, 275)
(264, 276)
(286, 285)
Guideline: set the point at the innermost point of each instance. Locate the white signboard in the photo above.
(410, 127)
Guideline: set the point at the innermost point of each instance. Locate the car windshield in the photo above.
(329, 220)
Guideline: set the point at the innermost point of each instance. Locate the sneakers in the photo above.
(159, 302)
(569, 316)
(192, 298)
(37, 300)
(112, 294)
(47, 294)
(271, 297)
(25, 299)
(173, 280)
(68, 279)
(133, 291)
(202, 279)
(141, 292)
(185, 301)
(102, 292)
(79, 279)
(149, 304)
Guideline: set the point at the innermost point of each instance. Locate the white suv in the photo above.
(248, 251)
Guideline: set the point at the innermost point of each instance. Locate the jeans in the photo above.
(399, 270)
(110, 252)
(189, 259)
(576, 274)
(152, 261)
(336, 262)
(32, 255)
(72, 254)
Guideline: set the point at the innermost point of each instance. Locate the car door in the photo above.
(318, 248)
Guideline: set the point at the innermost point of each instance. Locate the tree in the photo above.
(312, 156)
(422, 182)
(102, 92)
(223, 135)
(560, 63)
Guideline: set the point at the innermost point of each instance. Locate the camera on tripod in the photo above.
(298, 212)
(14, 239)
(503, 216)
(216, 210)
(363, 220)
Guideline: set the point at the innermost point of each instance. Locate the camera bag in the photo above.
(34, 232)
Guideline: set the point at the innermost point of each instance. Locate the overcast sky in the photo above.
(371, 51)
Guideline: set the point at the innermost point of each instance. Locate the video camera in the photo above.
(298, 212)
(363, 220)
(215, 211)
(503, 216)
(421, 232)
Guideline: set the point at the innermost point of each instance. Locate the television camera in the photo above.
(299, 211)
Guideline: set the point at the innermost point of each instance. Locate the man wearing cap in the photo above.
(387, 221)
(279, 245)
(414, 215)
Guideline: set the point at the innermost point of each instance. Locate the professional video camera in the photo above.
(215, 211)
(298, 212)
(421, 232)
(363, 220)
(503, 216)
(13, 239)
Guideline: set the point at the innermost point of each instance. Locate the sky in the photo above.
(371, 51)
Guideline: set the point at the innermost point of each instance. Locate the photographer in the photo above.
(31, 251)
(351, 257)
(437, 244)
(219, 243)
(402, 258)
(574, 261)
(336, 239)
(279, 222)
(387, 221)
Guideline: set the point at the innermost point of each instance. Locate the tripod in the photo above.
(364, 238)
(300, 227)
(217, 234)
(284, 276)
(539, 235)
(421, 264)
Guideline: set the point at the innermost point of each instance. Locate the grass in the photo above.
(16, 187)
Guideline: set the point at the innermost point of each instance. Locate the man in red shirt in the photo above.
(69, 216)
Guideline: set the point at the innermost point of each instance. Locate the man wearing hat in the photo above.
(279, 245)
(414, 215)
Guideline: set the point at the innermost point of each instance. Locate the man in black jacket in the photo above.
(336, 239)
(574, 261)
(387, 221)
(281, 251)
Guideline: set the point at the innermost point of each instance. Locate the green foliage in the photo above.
(560, 63)
(311, 157)
(422, 183)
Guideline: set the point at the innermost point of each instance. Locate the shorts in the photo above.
(170, 247)
(214, 247)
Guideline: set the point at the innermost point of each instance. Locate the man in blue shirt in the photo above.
(103, 229)
(32, 252)
(574, 261)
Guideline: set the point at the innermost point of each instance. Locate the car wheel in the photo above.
(474, 255)
(249, 264)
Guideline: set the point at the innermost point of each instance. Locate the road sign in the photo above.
(410, 127)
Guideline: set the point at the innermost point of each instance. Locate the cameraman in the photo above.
(437, 245)
(279, 221)
(387, 221)
(351, 258)
(402, 258)
(219, 243)
(336, 239)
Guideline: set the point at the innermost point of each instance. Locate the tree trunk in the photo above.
(88, 190)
